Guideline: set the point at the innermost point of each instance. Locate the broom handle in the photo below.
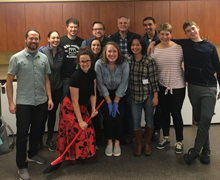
(67, 148)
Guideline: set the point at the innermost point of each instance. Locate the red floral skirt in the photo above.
(85, 144)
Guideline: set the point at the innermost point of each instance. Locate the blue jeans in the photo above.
(137, 112)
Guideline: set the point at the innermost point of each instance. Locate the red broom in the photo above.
(57, 162)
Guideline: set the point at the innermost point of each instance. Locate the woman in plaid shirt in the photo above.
(143, 84)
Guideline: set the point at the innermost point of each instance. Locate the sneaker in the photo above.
(38, 159)
(51, 145)
(23, 173)
(40, 146)
(108, 150)
(117, 150)
(205, 156)
(179, 147)
(190, 157)
(156, 136)
(163, 143)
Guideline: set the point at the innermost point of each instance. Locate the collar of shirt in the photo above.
(28, 54)
(121, 37)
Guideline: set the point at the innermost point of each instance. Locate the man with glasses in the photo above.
(98, 31)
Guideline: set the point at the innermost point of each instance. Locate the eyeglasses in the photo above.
(86, 61)
(98, 29)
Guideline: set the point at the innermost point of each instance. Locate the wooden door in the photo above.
(3, 29)
(34, 16)
(141, 11)
(72, 10)
(15, 26)
(196, 13)
(53, 15)
(89, 13)
(110, 11)
(161, 12)
(212, 21)
(178, 15)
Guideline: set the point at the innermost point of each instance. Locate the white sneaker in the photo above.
(23, 173)
(108, 150)
(117, 151)
(179, 147)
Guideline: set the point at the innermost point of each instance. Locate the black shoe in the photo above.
(156, 136)
(163, 143)
(40, 146)
(38, 159)
(51, 145)
(190, 157)
(205, 156)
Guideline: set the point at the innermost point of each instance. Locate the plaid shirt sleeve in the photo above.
(153, 77)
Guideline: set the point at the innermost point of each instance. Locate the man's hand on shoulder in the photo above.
(150, 48)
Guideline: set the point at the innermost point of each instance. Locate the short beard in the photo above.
(29, 47)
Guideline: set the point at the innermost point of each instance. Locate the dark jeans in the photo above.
(172, 103)
(203, 101)
(28, 117)
(113, 127)
(128, 120)
(51, 115)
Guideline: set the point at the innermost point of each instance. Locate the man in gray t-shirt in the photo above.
(32, 101)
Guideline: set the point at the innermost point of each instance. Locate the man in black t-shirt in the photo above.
(70, 43)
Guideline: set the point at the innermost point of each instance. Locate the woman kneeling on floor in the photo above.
(74, 113)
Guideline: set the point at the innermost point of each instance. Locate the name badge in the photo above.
(145, 81)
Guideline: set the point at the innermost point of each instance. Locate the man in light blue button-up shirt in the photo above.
(32, 101)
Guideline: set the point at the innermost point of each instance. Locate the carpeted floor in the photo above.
(163, 164)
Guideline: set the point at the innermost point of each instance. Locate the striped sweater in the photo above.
(169, 65)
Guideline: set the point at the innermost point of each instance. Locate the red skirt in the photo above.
(85, 144)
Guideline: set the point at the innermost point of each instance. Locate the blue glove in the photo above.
(110, 108)
(115, 109)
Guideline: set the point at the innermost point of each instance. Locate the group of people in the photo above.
(79, 73)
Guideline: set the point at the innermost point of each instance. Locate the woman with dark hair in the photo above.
(143, 85)
(96, 47)
(112, 80)
(74, 112)
(55, 57)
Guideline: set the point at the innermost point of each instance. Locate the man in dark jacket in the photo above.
(123, 35)
(98, 31)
